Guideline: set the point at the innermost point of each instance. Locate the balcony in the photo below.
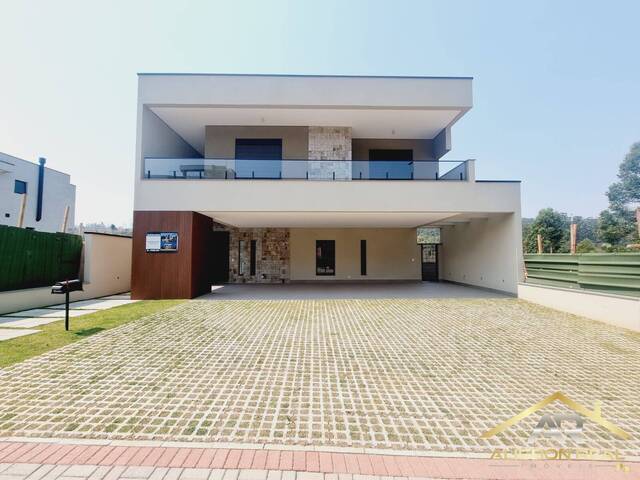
(304, 169)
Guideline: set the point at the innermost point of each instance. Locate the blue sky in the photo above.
(556, 83)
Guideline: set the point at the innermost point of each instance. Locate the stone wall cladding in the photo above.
(329, 143)
(272, 254)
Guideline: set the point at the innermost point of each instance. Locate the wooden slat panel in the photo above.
(183, 274)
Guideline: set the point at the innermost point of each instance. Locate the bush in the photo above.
(585, 246)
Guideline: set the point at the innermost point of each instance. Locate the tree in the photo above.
(587, 228)
(617, 225)
(553, 227)
(585, 246)
(625, 193)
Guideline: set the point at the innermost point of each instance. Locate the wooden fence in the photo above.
(30, 259)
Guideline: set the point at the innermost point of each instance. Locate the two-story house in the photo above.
(35, 196)
(284, 178)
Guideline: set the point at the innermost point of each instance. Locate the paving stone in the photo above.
(95, 304)
(99, 473)
(80, 471)
(40, 472)
(22, 469)
(173, 474)
(195, 474)
(12, 322)
(115, 472)
(230, 474)
(401, 374)
(55, 472)
(137, 472)
(274, 475)
(309, 476)
(8, 334)
(216, 474)
(158, 473)
(249, 474)
(47, 313)
(120, 296)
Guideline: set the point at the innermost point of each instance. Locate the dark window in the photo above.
(325, 257)
(258, 157)
(391, 164)
(20, 187)
(7, 215)
(252, 259)
(363, 257)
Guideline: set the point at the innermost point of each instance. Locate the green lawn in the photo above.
(54, 336)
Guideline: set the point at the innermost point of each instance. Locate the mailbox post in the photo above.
(66, 287)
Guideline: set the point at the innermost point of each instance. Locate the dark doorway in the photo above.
(325, 257)
(388, 164)
(220, 257)
(429, 262)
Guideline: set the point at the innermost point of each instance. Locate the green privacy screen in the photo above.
(30, 259)
(609, 272)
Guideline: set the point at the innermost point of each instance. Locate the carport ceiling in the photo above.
(329, 219)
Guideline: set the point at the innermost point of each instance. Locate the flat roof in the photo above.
(373, 106)
(311, 75)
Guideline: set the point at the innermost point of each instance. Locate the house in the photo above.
(286, 178)
(46, 194)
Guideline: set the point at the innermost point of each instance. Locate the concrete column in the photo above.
(471, 170)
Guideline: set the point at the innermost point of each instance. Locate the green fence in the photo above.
(30, 259)
(609, 272)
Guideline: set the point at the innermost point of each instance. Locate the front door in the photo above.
(429, 262)
(219, 258)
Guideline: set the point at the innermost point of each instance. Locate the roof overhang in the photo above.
(344, 219)
(374, 107)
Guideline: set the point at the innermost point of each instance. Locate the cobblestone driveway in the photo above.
(410, 374)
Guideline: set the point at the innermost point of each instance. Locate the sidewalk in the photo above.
(18, 324)
(24, 459)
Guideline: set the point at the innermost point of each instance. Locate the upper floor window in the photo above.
(20, 187)
(388, 164)
(258, 157)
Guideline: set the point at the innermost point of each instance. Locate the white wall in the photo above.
(392, 253)
(57, 194)
(612, 309)
(160, 141)
(214, 195)
(485, 252)
(107, 271)
(107, 264)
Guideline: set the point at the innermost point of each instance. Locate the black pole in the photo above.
(40, 189)
(66, 310)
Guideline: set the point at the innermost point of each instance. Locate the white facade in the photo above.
(57, 194)
(188, 126)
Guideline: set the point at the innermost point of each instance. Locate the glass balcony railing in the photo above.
(304, 169)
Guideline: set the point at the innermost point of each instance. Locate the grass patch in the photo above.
(54, 336)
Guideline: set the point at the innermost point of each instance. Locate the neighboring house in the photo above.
(282, 178)
(48, 193)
